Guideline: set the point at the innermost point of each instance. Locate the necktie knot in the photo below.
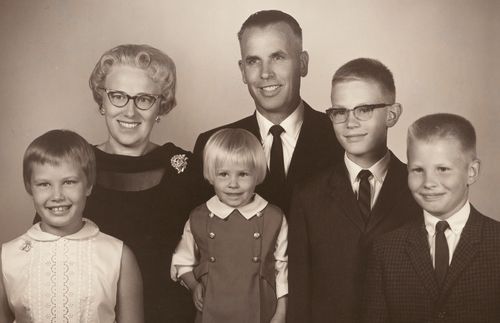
(364, 174)
(276, 130)
(441, 226)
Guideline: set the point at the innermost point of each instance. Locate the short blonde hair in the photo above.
(367, 69)
(159, 66)
(56, 146)
(444, 126)
(234, 145)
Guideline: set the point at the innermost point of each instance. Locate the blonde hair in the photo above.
(234, 146)
(159, 66)
(56, 146)
(444, 126)
(367, 69)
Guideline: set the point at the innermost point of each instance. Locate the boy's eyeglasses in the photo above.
(361, 112)
(120, 99)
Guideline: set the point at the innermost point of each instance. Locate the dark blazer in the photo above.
(329, 241)
(401, 285)
(316, 149)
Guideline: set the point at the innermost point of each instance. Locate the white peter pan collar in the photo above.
(221, 210)
(89, 229)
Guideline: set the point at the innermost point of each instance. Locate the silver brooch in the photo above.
(179, 162)
(26, 246)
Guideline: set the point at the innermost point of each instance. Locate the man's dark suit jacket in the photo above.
(316, 149)
(401, 285)
(329, 241)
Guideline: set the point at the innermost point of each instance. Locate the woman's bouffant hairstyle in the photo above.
(444, 126)
(234, 146)
(57, 146)
(159, 66)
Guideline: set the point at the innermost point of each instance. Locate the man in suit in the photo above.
(272, 65)
(336, 215)
(445, 267)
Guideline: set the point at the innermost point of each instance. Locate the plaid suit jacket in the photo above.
(328, 241)
(401, 285)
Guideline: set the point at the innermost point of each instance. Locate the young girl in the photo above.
(63, 269)
(232, 254)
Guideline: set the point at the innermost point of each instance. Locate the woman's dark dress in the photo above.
(145, 202)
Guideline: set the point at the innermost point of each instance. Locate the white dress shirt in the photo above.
(292, 125)
(378, 170)
(457, 223)
(186, 255)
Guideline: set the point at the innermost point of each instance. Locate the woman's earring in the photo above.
(101, 110)
(157, 119)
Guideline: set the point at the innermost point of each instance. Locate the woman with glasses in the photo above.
(143, 191)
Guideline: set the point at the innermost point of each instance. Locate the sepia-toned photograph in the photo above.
(258, 161)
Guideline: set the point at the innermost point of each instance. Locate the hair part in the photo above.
(56, 146)
(158, 65)
(234, 145)
(265, 18)
(367, 69)
(444, 126)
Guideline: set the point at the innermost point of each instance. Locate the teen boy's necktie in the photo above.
(277, 165)
(364, 193)
(442, 255)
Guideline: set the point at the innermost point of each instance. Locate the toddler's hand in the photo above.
(198, 292)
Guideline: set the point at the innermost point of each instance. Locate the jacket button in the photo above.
(255, 259)
(441, 315)
(256, 235)
(211, 235)
(211, 259)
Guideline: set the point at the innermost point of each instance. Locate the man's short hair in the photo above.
(366, 69)
(234, 145)
(265, 18)
(444, 126)
(56, 146)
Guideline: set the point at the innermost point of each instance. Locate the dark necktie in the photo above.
(277, 165)
(442, 255)
(364, 193)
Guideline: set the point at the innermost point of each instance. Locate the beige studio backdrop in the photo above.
(444, 55)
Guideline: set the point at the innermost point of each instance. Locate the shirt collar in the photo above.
(221, 210)
(88, 230)
(291, 124)
(379, 169)
(457, 221)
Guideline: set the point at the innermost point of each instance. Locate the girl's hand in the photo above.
(198, 293)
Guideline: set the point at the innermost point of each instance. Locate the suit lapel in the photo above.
(418, 250)
(250, 124)
(390, 192)
(301, 153)
(465, 252)
(341, 192)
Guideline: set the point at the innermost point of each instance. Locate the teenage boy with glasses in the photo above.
(336, 215)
